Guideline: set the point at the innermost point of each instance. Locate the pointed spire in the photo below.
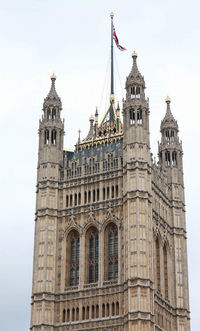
(168, 120)
(52, 96)
(135, 76)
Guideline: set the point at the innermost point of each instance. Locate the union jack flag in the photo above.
(117, 41)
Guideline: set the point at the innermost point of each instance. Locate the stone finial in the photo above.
(111, 14)
(134, 54)
(53, 76)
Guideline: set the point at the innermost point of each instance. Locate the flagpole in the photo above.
(112, 65)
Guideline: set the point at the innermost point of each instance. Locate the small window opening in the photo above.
(77, 313)
(107, 309)
(87, 312)
(70, 200)
(116, 191)
(137, 92)
(75, 199)
(104, 193)
(64, 313)
(83, 313)
(73, 314)
(67, 200)
(139, 116)
(172, 136)
(54, 113)
(113, 309)
(79, 198)
(97, 194)
(46, 137)
(97, 311)
(85, 197)
(53, 137)
(167, 159)
(108, 192)
(93, 310)
(174, 159)
(94, 194)
(132, 92)
(132, 116)
(89, 196)
(167, 136)
(117, 308)
(103, 310)
(113, 192)
(68, 315)
(48, 113)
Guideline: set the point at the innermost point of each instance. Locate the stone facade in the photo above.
(110, 247)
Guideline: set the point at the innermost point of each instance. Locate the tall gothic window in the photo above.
(92, 247)
(165, 270)
(139, 116)
(53, 137)
(72, 255)
(132, 116)
(111, 252)
(158, 264)
(46, 137)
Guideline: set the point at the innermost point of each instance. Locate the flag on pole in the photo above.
(117, 41)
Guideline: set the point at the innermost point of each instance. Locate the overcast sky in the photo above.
(72, 39)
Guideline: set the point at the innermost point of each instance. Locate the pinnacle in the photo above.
(52, 96)
(168, 120)
(135, 75)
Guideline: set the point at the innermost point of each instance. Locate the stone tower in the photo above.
(110, 238)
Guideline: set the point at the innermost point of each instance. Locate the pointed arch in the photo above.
(92, 254)
(72, 258)
(111, 252)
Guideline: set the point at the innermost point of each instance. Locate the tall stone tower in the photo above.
(110, 238)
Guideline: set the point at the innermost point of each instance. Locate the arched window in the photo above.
(67, 200)
(97, 311)
(132, 116)
(103, 310)
(172, 136)
(93, 311)
(77, 313)
(54, 113)
(167, 159)
(107, 309)
(133, 92)
(48, 113)
(167, 136)
(113, 309)
(83, 313)
(111, 252)
(79, 198)
(53, 137)
(139, 116)
(117, 308)
(75, 199)
(68, 315)
(87, 313)
(97, 194)
(117, 191)
(94, 196)
(137, 92)
(89, 196)
(158, 264)
(73, 314)
(70, 200)
(174, 159)
(108, 192)
(64, 315)
(72, 255)
(113, 192)
(104, 193)
(85, 197)
(92, 247)
(165, 270)
(46, 137)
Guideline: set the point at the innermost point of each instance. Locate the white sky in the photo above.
(72, 39)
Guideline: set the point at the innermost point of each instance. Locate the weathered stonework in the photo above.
(110, 247)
